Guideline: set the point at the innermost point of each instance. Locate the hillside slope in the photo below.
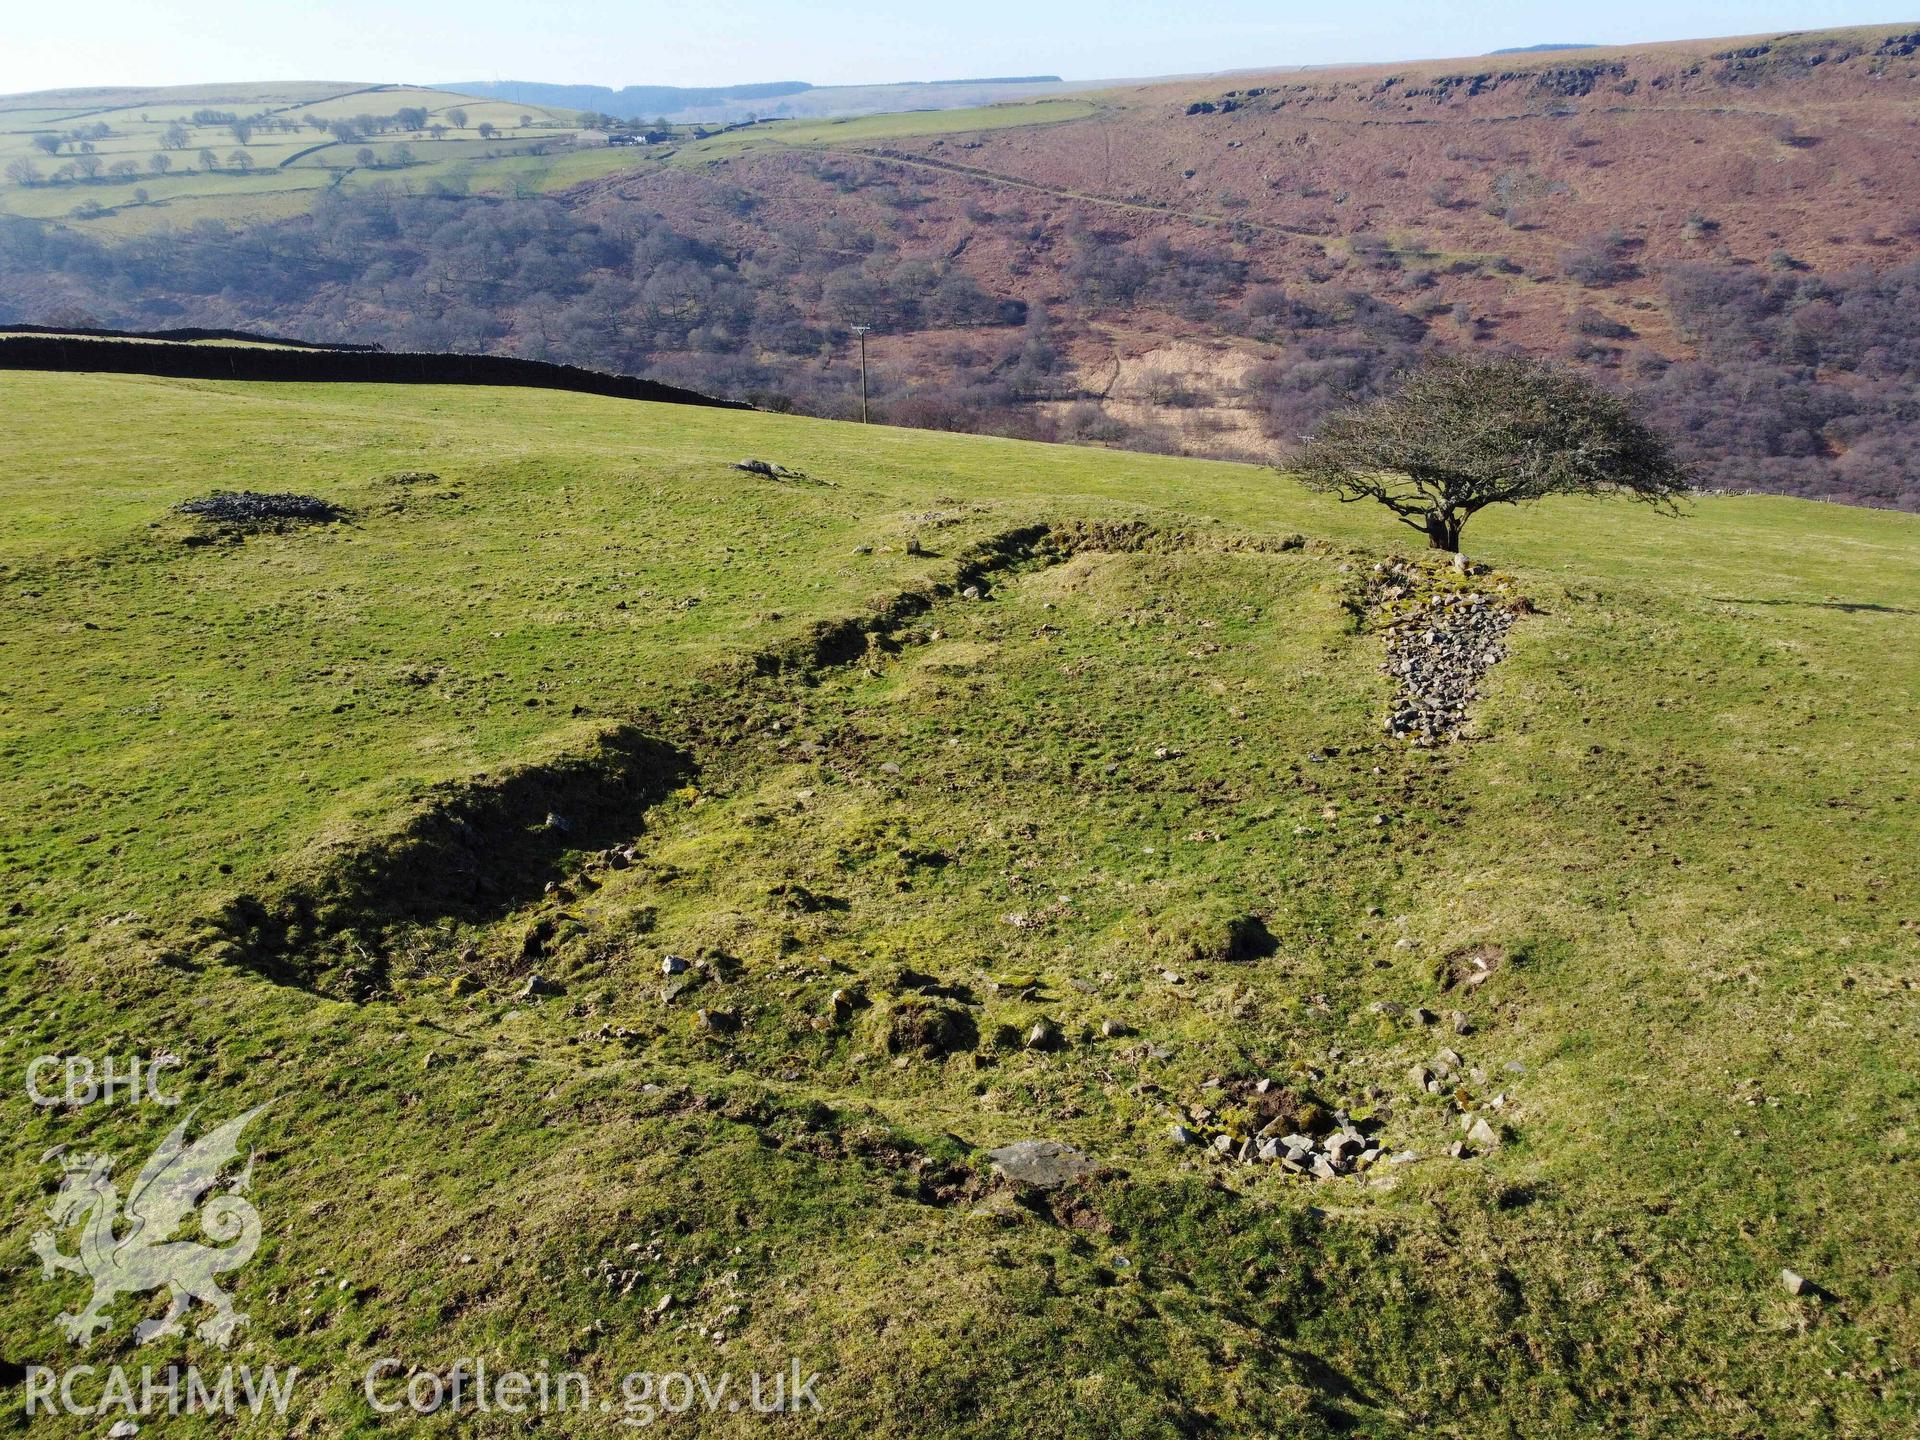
(1240, 254)
(946, 793)
(1725, 227)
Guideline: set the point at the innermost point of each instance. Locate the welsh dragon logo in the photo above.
(144, 1255)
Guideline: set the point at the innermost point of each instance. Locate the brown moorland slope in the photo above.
(1806, 143)
(1499, 201)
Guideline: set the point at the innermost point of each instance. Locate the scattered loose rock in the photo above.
(1045, 1035)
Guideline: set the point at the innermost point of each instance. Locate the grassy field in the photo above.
(868, 129)
(285, 170)
(1682, 826)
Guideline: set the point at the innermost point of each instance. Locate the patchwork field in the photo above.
(121, 168)
(647, 890)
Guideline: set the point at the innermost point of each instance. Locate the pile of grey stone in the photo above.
(254, 507)
(1441, 641)
(1343, 1150)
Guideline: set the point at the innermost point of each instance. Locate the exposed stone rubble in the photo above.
(1261, 1122)
(1342, 1151)
(1282, 1129)
(1449, 1075)
(1445, 628)
(254, 507)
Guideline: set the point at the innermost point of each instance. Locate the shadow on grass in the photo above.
(473, 852)
(1850, 607)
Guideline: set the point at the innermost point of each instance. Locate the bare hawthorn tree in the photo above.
(1458, 435)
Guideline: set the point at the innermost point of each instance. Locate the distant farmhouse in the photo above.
(620, 137)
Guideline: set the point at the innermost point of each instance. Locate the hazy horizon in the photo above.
(842, 42)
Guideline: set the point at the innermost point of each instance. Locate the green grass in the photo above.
(1685, 815)
(868, 129)
(191, 191)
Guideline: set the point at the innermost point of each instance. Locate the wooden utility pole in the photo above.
(861, 331)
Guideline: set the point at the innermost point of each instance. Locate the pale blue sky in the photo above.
(704, 42)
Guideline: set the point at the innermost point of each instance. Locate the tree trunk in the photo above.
(1443, 532)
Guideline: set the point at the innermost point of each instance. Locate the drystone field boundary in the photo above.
(248, 362)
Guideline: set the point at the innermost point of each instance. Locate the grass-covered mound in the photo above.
(636, 878)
